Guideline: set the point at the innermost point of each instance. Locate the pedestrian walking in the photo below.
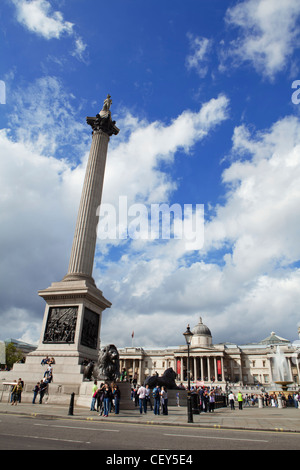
(247, 403)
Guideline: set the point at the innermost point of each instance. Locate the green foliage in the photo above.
(13, 355)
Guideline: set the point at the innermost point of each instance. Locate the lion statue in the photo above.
(108, 367)
(109, 363)
(167, 380)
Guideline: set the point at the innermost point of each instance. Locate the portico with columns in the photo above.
(212, 364)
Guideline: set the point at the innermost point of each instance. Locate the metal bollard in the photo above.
(71, 407)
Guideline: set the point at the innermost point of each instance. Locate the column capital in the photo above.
(104, 124)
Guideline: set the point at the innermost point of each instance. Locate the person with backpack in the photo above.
(156, 396)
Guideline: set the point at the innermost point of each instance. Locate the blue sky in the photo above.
(202, 94)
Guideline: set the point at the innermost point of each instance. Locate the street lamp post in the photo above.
(188, 338)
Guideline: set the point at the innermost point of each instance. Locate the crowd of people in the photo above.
(105, 399)
(42, 387)
(16, 392)
(267, 399)
(142, 397)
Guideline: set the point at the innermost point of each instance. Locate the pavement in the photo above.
(249, 418)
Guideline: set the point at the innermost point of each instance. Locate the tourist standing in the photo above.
(296, 399)
(164, 400)
(156, 396)
(136, 397)
(35, 392)
(212, 400)
(16, 392)
(21, 389)
(142, 399)
(117, 397)
(43, 388)
(231, 400)
(94, 396)
(148, 399)
(107, 395)
(99, 399)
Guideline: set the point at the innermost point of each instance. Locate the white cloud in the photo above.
(38, 17)
(246, 273)
(242, 281)
(133, 168)
(40, 193)
(269, 33)
(45, 120)
(80, 49)
(260, 216)
(246, 278)
(197, 60)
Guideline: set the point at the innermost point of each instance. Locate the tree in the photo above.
(13, 355)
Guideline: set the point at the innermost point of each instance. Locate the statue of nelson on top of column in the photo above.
(103, 120)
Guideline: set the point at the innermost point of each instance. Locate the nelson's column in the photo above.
(74, 306)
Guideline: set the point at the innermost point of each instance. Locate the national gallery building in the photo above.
(249, 364)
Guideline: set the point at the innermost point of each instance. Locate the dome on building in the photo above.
(202, 335)
(201, 329)
(274, 339)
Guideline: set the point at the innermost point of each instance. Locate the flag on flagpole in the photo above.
(132, 334)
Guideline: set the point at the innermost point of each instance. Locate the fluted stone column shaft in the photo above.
(84, 243)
